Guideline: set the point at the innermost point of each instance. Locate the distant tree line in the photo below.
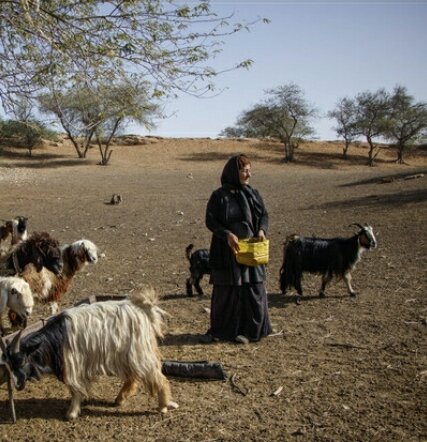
(285, 114)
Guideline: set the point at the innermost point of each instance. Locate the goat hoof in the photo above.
(72, 415)
(322, 294)
(353, 295)
(172, 405)
(298, 300)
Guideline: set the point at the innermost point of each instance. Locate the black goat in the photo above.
(328, 257)
(39, 249)
(199, 266)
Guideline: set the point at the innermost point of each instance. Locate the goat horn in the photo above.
(9, 384)
(16, 343)
(356, 224)
(3, 346)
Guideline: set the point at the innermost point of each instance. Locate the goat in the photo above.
(39, 249)
(48, 287)
(114, 338)
(328, 257)
(19, 229)
(16, 228)
(116, 199)
(199, 266)
(16, 294)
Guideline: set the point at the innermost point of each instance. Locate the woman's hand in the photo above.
(261, 234)
(232, 241)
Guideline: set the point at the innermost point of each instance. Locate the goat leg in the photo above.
(299, 291)
(130, 388)
(74, 409)
(189, 285)
(326, 279)
(164, 394)
(347, 279)
(197, 285)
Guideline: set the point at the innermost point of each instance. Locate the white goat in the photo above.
(16, 294)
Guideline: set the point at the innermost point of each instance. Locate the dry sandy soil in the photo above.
(349, 369)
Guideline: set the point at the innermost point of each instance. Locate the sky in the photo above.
(330, 49)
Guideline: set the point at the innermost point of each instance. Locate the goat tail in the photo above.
(289, 271)
(147, 300)
(188, 251)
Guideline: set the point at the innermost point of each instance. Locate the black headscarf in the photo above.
(249, 200)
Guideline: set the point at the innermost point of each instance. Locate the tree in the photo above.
(166, 42)
(345, 115)
(116, 107)
(98, 112)
(26, 133)
(372, 118)
(407, 121)
(285, 114)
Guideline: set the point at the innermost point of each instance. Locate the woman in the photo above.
(239, 310)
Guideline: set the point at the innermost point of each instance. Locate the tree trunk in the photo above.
(345, 149)
(289, 151)
(371, 156)
(106, 152)
(400, 149)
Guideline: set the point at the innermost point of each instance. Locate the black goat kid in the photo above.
(327, 257)
(199, 266)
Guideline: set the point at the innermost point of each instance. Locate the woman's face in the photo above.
(245, 175)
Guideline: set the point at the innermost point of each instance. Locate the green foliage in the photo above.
(98, 111)
(407, 121)
(26, 133)
(58, 43)
(284, 114)
(345, 113)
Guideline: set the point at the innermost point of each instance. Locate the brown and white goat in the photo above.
(115, 338)
(47, 287)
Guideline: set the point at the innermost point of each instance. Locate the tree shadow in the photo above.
(205, 156)
(369, 201)
(40, 160)
(385, 179)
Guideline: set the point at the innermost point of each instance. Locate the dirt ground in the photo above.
(349, 369)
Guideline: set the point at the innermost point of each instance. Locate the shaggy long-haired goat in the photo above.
(328, 257)
(16, 294)
(115, 338)
(47, 287)
(199, 266)
(39, 249)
